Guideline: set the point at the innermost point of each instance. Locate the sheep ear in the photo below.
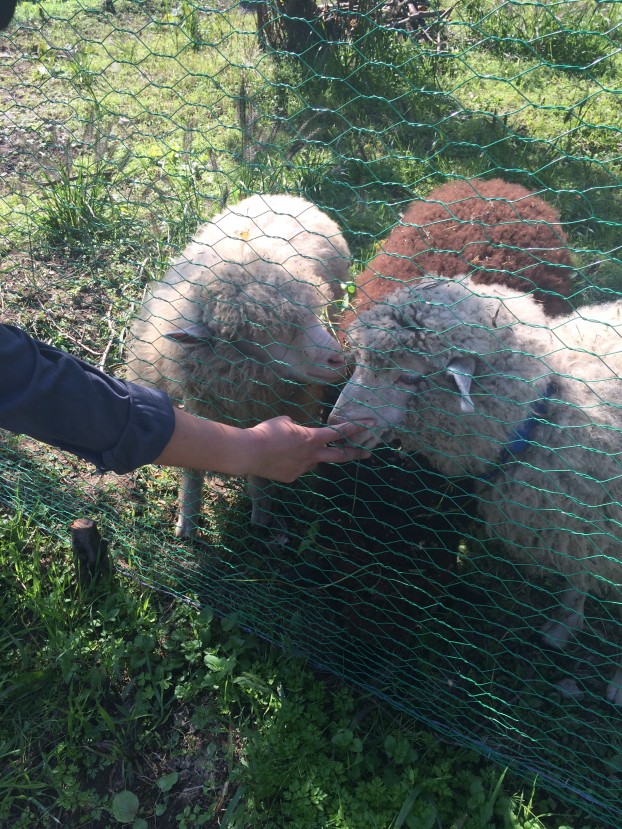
(191, 334)
(461, 370)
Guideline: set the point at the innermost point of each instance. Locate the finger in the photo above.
(344, 431)
(339, 454)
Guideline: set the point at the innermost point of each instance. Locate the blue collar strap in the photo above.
(520, 437)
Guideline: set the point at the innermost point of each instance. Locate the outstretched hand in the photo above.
(285, 450)
(278, 449)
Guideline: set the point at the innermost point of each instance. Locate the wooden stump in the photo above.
(90, 552)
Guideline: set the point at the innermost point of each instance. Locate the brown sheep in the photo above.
(499, 232)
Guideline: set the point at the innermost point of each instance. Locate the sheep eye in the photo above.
(409, 379)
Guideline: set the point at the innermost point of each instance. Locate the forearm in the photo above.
(206, 445)
(119, 426)
(278, 449)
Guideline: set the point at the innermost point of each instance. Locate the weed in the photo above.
(81, 207)
(575, 35)
(130, 706)
(185, 20)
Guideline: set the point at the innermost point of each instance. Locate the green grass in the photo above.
(360, 128)
(123, 705)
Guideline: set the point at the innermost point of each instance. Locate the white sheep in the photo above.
(233, 330)
(479, 382)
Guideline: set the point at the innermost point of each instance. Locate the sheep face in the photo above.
(313, 355)
(395, 393)
(274, 326)
(301, 354)
(431, 365)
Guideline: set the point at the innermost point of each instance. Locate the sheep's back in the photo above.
(499, 232)
(588, 349)
(286, 230)
(573, 467)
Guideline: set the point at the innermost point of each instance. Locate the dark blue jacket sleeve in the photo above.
(61, 400)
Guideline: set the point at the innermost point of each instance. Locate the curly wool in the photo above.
(500, 231)
(556, 503)
(233, 330)
(478, 381)
(270, 263)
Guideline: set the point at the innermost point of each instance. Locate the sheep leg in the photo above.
(261, 492)
(568, 620)
(190, 494)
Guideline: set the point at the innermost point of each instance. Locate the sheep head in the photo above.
(432, 364)
(274, 322)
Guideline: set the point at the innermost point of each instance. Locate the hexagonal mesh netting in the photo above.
(344, 153)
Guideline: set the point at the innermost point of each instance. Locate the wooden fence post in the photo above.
(90, 552)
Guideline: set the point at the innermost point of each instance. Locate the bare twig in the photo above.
(111, 339)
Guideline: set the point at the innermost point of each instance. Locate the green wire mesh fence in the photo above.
(125, 125)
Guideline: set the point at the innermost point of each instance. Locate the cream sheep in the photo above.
(478, 381)
(233, 330)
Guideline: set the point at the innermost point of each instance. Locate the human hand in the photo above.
(282, 450)
(278, 449)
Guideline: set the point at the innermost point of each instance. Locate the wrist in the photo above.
(251, 450)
